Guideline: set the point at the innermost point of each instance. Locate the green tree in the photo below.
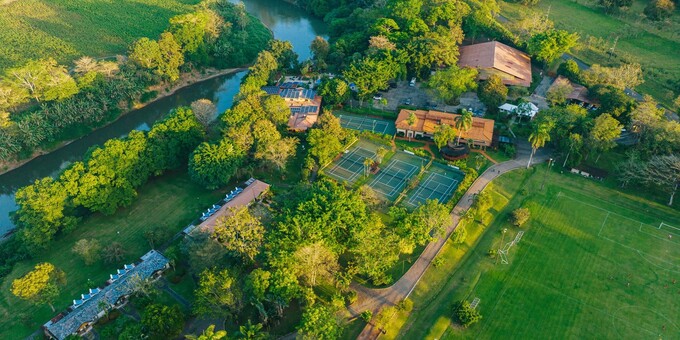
(208, 334)
(550, 45)
(658, 10)
(459, 235)
(334, 91)
(42, 213)
(557, 94)
(463, 123)
(575, 143)
(540, 134)
(371, 75)
(162, 321)
(520, 216)
(171, 57)
(202, 251)
(493, 93)
(314, 262)
(213, 165)
(605, 130)
(451, 82)
(320, 49)
(39, 286)
(276, 109)
(611, 6)
(89, 250)
(465, 314)
(570, 70)
(443, 134)
(241, 233)
(146, 53)
(113, 252)
(622, 77)
(191, 30)
(319, 322)
(251, 331)
(43, 80)
(217, 294)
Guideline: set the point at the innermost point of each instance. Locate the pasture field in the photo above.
(653, 45)
(169, 202)
(67, 29)
(592, 263)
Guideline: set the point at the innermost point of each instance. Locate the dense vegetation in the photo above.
(64, 30)
(42, 103)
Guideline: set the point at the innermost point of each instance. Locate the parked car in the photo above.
(413, 82)
(378, 96)
(407, 101)
(393, 84)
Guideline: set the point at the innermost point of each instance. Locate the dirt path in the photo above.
(376, 299)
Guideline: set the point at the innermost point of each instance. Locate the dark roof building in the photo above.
(84, 312)
(304, 104)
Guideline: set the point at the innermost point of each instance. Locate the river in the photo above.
(285, 20)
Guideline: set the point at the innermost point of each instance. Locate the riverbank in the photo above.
(186, 79)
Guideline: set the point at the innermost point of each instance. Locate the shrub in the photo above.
(366, 315)
(465, 314)
(520, 216)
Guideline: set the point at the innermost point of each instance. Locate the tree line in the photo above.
(42, 102)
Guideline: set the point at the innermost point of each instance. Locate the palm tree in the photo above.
(367, 165)
(538, 137)
(463, 123)
(208, 334)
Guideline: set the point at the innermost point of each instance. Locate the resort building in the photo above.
(236, 199)
(426, 123)
(512, 65)
(578, 95)
(304, 104)
(85, 311)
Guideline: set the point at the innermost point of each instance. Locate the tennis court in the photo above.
(350, 166)
(362, 123)
(391, 180)
(439, 182)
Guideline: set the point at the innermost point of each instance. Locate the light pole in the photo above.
(498, 252)
(546, 173)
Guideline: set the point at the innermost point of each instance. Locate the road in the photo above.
(375, 299)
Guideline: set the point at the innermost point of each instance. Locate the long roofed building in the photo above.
(426, 123)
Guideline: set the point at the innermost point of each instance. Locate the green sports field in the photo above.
(67, 29)
(593, 263)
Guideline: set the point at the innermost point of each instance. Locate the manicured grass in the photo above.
(65, 29)
(654, 46)
(592, 264)
(170, 202)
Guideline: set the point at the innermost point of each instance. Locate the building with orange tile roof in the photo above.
(427, 122)
(512, 65)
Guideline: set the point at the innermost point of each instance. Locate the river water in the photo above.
(285, 20)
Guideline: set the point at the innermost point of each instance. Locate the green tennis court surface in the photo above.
(350, 166)
(439, 182)
(362, 123)
(391, 180)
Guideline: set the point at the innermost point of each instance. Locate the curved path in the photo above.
(376, 299)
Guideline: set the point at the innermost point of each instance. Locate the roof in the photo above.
(89, 310)
(427, 122)
(304, 104)
(244, 198)
(297, 93)
(579, 92)
(495, 55)
(508, 107)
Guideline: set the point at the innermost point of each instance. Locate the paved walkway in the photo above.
(376, 299)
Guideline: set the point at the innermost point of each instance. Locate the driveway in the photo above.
(375, 299)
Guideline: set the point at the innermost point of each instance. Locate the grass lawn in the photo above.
(654, 46)
(171, 202)
(592, 264)
(65, 29)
